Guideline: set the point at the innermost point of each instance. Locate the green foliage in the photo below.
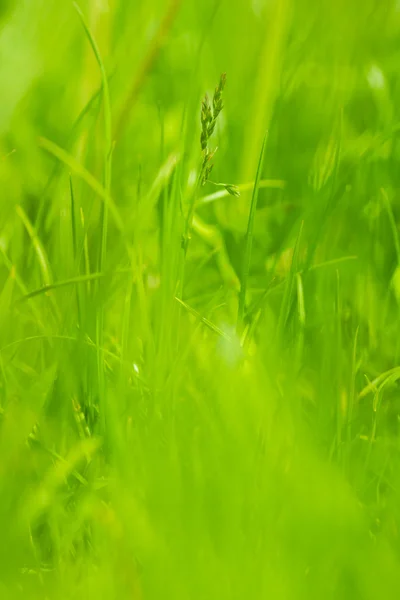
(219, 418)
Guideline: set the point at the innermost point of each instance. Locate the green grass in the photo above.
(199, 391)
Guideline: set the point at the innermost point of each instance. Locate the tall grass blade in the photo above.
(249, 238)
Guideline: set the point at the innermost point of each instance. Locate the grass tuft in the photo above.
(199, 379)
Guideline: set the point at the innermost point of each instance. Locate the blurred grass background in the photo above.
(147, 450)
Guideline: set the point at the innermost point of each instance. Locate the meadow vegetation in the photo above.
(199, 299)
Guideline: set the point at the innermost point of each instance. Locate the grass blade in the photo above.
(289, 285)
(249, 237)
(71, 162)
(206, 322)
(273, 184)
(45, 289)
(37, 244)
(107, 136)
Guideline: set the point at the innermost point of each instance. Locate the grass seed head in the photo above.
(233, 190)
(217, 99)
(206, 120)
(209, 115)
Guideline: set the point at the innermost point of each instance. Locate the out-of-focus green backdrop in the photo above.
(151, 446)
